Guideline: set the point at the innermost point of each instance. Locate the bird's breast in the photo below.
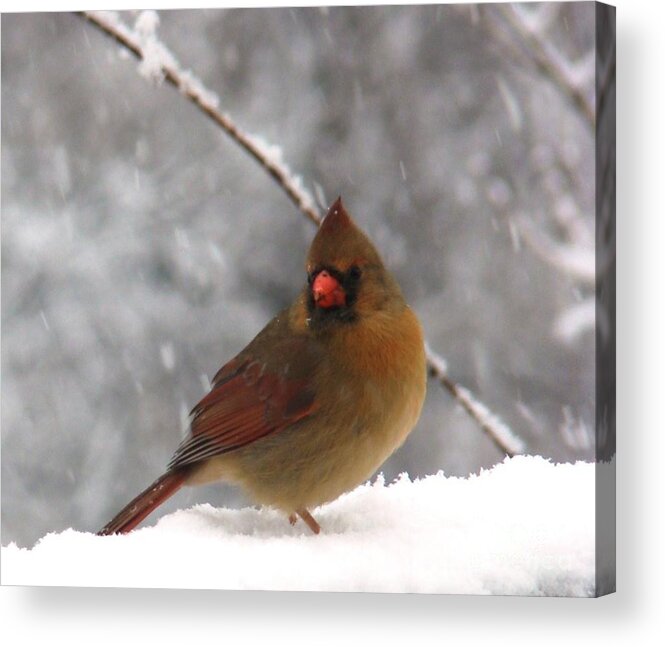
(377, 388)
(369, 393)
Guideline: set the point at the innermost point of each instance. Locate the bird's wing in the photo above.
(252, 397)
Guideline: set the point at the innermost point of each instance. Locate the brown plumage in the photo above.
(318, 400)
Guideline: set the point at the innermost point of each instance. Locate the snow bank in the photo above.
(524, 527)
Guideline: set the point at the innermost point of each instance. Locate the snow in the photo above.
(575, 320)
(488, 420)
(525, 527)
(435, 360)
(273, 157)
(156, 58)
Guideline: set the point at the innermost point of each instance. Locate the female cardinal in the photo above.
(319, 398)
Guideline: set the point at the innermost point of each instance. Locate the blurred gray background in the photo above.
(141, 249)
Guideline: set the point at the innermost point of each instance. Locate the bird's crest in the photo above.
(340, 243)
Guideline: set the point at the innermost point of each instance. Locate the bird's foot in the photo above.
(293, 517)
(309, 520)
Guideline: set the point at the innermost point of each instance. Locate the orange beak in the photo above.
(327, 291)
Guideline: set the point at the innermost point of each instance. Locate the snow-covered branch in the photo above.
(157, 64)
(500, 434)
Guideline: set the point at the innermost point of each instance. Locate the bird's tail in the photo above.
(141, 506)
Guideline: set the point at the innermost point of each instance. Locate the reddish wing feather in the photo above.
(246, 403)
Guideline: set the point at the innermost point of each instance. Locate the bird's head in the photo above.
(346, 278)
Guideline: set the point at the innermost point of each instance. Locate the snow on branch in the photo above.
(549, 61)
(158, 64)
(500, 434)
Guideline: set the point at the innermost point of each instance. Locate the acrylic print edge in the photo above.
(605, 478)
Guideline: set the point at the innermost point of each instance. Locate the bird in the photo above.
(318, 400)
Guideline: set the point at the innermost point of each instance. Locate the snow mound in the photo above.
(525, 527)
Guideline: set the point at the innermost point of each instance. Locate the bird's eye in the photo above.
(310, 277)
(355, 272)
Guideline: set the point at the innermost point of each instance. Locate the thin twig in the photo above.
(193, 90)
(549, 61)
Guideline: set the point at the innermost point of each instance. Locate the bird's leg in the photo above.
(293, 517)
(309, 520)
